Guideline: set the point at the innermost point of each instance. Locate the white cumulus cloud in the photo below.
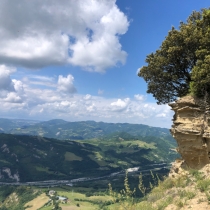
(6, 83)
(46, 104)
(120, 104)
(18, 86)
(65, 84)
(11, 90)
(139, 97)
(13, 98)
(39, 33)
(87, 97)
(23, 100)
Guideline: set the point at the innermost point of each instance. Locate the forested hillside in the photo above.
(31, 158)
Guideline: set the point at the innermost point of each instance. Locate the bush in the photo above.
(197, 174)
(187, 194)
(203, 185)
(168, 183)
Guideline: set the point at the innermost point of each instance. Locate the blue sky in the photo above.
(78, 60)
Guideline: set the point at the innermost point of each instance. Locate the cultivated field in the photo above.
(37, 202)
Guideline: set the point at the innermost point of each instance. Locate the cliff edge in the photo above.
(191, 129)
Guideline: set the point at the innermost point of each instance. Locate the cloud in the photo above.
(138, 70)
(65, 84)
(91, 108)
(120, 104)
(139, 97)
(11, 91)
(23, 100)
(41, 78)
(100, 92)
(164, 114)
(87, 97)
(18, 86)
(38, 80)
(45, 104)
(40, 33)
(6, 83)
(13, 98)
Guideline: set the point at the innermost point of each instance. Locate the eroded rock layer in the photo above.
(191, 129)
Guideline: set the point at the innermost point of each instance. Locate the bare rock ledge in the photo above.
(191, 129)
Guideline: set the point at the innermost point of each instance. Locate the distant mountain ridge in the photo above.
(61, 129)
(57, 149)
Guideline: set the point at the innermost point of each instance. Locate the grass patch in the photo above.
(101, 163)
(69, 156)
(164, 203)
(144, 205)
(196, 174)
(98, 156)
(203, 185)
(180, 203)
(181, 181)
(44, 169)
(186, 194)
(168, 183)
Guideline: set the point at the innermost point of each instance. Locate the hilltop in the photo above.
(64, 130)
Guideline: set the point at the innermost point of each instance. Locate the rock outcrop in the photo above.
(191, 129)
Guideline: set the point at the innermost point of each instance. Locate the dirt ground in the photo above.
(69, 208)
(37, 202)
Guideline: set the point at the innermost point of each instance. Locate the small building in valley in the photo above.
(52, 192)
(62, 199)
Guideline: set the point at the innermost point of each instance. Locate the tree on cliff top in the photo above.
(182, 63)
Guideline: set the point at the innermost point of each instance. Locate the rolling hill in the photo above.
(64, 130)
(34, 158)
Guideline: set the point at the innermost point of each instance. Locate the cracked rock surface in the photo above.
(191, 129)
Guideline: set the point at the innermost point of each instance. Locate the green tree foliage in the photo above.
(201, 71)
(181, 64)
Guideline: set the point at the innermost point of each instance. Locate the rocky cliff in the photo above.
(191, 129)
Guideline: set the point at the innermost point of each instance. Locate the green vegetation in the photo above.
(69, 156)
(112, 148)
(181, 64)
(156, 194)
(64, 130)
(177, 192)
(38, 158)
(14, 198)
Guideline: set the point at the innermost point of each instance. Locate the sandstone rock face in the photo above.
(191, 129)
